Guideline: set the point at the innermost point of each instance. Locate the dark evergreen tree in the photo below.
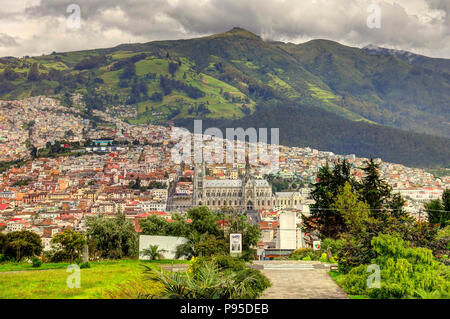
(323, 219)
(439, 211)
(373, 189)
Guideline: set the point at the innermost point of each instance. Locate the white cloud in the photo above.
(418, 25)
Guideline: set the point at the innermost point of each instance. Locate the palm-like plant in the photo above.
(188, 249)
(153, 252)
(208, 282)
(423, 294)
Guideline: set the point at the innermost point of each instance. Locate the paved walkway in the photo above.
(299, 280)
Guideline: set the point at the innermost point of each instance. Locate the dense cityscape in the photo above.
(117, 167)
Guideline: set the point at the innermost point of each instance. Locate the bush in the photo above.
(355, 282)
(214, 277)
(404, 271)
(324, 258)
(352, 254)
(5, 258)
(256, 285)
(388, 291)
(36, 262)
(335, 245)
(301, 253)
(85, 265)
(307, 258)
(228, 262)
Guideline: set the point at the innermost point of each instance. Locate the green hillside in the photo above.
(225, 76)
(305, 126)
(382, 88)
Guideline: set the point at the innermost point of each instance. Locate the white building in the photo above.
(287, 231)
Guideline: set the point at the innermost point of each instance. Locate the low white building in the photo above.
(149, 206)
(15, 225)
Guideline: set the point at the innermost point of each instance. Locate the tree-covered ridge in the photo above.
(224, 76)
(306, 126)
(350, 82)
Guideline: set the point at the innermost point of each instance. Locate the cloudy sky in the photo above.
(34, 27)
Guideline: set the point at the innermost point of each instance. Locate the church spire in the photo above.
(247, 169)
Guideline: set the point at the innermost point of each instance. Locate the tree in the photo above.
(446, 200)
(153, 252)
(250, 235)
(189, 248)
(112, 237)
(129, 71)
(173, 67)
(435, 212)
(3, 243)
(396, 206)
(210, 245)
(328, 222)
(22, 244)
(203, 220)
(439, 211)
(354, 211)
(202, 245)
(33, 74)
(373, 189)
(154, 225)
(69, 244)
(10, 74)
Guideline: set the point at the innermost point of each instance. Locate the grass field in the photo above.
(22, 281)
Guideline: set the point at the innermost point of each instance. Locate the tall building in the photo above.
(287, 231)
(240, 194)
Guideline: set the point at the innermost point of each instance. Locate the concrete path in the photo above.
(299, 280)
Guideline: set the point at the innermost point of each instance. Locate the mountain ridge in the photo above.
(235, 74)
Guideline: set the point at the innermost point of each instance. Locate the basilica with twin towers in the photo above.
(242, 194)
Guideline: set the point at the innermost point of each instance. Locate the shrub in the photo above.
(355, 282)
(85, 265)
(324, 258)
(388, 291)
(6, 258)
(205, 279)
(335, 245)
(352, 254)
(36, 262)
(307, 258)
(404, 271)
(228, 262)
(256, 285)
(301, 253)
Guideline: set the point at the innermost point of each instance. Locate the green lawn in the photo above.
(97, 282)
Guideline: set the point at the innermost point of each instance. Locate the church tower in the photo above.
(248, 188)
(199, 184)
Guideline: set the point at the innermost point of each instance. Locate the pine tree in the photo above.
(323, 219)
(373, 189)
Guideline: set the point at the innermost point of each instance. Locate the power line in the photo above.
(375, 209)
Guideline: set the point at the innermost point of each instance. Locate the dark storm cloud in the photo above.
(418, 25)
